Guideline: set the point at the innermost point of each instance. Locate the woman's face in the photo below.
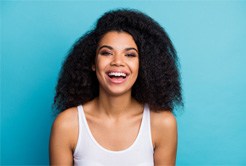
(116, 63)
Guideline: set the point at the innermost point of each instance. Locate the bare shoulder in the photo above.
(66, 126)
(163, 125)
(66, 119)
(164, 120)
(63, 137)
(164, 137)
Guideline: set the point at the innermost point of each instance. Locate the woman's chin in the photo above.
(117, 91)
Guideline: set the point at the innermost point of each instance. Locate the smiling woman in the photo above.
(116, 63)
(116, 93)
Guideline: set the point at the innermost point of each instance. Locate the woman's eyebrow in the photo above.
(131, 48)
(111, 48)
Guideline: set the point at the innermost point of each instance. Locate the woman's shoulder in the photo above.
(65, 127)
(162, 119)
(66, 118)
(163, 125)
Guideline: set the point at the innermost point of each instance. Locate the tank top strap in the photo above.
(80, 121)
(146, 128)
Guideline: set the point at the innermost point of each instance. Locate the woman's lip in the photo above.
(118, 80)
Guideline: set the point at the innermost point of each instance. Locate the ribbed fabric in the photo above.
(88, 152)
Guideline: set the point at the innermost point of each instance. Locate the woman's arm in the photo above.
(63, 138)
(165, 138)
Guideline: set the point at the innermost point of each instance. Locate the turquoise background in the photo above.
(210, 38)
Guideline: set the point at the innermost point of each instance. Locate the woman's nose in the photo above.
(118, 60)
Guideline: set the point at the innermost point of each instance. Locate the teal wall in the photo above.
(210, 38)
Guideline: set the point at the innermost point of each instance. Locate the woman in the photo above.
(116, 93)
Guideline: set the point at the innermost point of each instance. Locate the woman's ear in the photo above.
(93, 67)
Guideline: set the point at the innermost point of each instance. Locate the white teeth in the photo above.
(117, 74)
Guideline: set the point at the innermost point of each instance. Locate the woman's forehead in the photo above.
(117, 40)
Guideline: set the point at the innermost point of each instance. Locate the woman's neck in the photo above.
(115, 106)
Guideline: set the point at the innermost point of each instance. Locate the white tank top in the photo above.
(89, 152)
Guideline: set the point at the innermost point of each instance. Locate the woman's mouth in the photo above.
(117, 77)
(117, 74)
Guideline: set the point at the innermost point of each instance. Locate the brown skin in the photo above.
(114, 111)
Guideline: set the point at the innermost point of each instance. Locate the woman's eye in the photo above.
(131, 55)
(105, 53)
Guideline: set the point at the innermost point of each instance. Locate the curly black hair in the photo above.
(158, 83)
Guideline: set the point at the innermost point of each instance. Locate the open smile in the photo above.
(117, 77)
